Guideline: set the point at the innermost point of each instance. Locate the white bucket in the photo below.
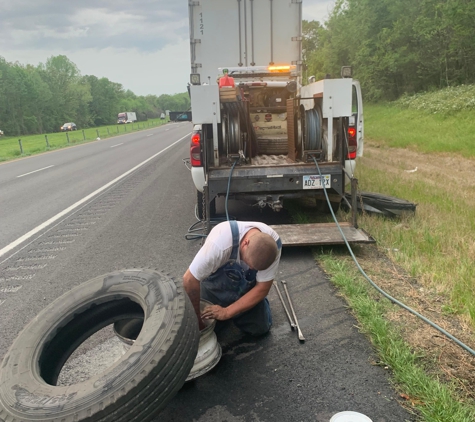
(349, 416)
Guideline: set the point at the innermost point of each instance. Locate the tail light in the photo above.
(195, 150)
(352, 143)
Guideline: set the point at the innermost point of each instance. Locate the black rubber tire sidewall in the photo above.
(136, 387)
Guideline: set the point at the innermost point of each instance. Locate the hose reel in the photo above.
(313, 129)
(231, 130)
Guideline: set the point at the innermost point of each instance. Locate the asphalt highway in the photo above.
(117, 210)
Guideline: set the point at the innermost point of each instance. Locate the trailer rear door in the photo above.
(230, 33)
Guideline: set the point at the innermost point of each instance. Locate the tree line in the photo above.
(395, 47)
(39, 99)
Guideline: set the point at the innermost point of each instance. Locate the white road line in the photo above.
(113, 146)
(31, 172)
(37, 229)
(150, 135)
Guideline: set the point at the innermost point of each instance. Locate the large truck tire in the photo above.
(277, 146)
(136, 387)
(378, 204)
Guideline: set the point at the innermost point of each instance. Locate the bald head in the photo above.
(261, 251)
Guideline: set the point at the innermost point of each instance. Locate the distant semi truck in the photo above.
(126, 117)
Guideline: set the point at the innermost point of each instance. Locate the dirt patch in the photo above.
(443, 357)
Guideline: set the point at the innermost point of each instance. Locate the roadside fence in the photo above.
(34, 144)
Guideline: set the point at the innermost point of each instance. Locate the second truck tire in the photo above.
(273, 146)
(133, 389)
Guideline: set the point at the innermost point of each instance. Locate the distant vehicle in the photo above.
(69, 126)
(126, 117)
(180, 116)
(162, 116)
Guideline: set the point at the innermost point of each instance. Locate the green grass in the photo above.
(36, 144)
(439, 121)
(445, 102)
(436, 245)
(397, 127)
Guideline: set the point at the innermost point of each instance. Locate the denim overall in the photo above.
(230, 282)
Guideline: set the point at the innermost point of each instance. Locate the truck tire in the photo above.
(378, 204)
(277, 146)
(136, 387)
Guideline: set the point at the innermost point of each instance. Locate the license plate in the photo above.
(314, 182)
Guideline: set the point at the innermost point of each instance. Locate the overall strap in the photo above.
(235, 233)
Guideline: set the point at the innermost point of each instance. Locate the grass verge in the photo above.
(398, 127)
(36, 144)
(434, 400)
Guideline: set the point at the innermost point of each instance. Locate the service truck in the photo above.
(259, 130)
(126, 117)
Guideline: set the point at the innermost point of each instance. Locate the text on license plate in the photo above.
(314, 181)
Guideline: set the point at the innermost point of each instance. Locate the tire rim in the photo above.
(209, 350)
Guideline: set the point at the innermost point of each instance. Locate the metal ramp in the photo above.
(320, 234)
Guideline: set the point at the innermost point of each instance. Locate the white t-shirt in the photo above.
(218, 247)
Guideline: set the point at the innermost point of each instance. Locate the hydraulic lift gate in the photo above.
(320, 234)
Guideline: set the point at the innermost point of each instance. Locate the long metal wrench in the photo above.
(301, 337)
(291, 321)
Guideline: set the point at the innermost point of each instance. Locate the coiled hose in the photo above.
(313, 130)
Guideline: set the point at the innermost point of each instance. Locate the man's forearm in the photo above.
(192, 289)
(249, 300)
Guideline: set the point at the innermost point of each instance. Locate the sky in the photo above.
(141, 44)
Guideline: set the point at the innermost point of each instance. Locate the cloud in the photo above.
(317, 10)
(141, 44)
(71, 26)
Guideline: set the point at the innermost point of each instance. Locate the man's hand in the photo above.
(215, 312)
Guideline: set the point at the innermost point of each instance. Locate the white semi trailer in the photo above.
(258, 128)
(126, 117)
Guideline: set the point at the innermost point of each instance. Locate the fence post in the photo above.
(117, 129)
(125, 127)
(83, 135)
(97, 131)
(21, 146)
(67, 136)
(47, 143)
(108, 133)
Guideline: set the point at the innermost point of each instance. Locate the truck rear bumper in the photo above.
(282, 181)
